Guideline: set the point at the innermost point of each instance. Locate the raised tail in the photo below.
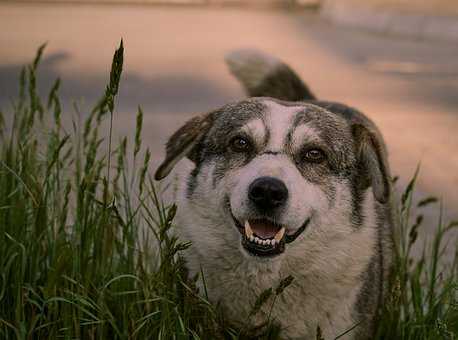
(265, 76)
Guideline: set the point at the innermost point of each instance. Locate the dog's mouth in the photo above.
(265, 238)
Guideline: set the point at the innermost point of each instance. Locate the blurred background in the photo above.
(396, 60)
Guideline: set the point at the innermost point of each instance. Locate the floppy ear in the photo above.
(372, 162)
(182, 143)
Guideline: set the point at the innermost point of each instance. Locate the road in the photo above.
(174, 68)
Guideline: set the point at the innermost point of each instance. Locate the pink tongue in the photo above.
(264, 229)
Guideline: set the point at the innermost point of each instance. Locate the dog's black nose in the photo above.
(267, 193)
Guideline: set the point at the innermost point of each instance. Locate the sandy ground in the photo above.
(174, 68)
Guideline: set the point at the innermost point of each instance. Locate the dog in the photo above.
(284, 184)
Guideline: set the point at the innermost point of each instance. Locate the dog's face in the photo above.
(265, 170)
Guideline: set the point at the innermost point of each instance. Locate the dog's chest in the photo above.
(298, 310)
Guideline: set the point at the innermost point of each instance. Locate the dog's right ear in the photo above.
(372, 162)
(183, 142)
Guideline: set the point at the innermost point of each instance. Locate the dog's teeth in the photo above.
(251, 238)
(258, 240)
(248, 230)
(279, 235)
(273, 241)
(268, 242)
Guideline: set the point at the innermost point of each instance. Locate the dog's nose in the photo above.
(267, 193)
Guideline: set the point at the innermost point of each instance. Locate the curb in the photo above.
(378, 20)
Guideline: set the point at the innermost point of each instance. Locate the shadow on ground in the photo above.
(173, 93)
(426, 68)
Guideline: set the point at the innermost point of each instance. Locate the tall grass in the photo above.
(71, 262)
(87, 249)
(423, 301)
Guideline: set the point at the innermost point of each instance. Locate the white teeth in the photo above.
(248, 230)
(269, 242)
(279, 235)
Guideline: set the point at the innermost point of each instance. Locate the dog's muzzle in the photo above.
(263, 237)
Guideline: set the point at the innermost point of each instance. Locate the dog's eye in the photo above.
(240, 144)
(314, 155)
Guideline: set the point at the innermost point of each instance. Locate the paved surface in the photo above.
(426, 7)
(424, 20)
(174, 68)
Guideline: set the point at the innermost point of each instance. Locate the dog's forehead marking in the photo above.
(256, 129)
(302, 134)
(279, 120)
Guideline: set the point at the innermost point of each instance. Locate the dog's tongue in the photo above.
(264, 229)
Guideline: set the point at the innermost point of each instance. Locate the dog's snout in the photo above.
(267, 193)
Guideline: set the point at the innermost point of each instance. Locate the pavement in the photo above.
(425, 7)
(422, 19)
(174, 68)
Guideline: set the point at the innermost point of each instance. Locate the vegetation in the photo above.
(78, 220)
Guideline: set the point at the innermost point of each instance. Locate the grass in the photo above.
(72, 264)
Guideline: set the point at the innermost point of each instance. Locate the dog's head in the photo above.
(265, 170)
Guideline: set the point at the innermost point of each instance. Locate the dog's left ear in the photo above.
(183, 142)
(372, 162)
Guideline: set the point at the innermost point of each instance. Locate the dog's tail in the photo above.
(263, 75)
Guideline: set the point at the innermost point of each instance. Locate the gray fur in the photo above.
(266, 76)
(341, 261)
